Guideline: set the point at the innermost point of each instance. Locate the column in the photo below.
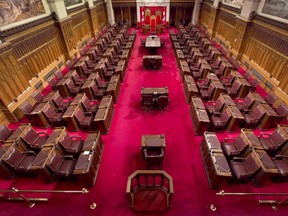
(110, 12)
(58, 7)
(249, 9)
(90, 3)
(196, 11)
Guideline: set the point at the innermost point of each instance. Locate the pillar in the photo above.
(249, 9)
(58, 7)
(110, 12)
(196, 12)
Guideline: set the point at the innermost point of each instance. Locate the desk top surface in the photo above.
(161, 90)
(153, 41)
(153, 141)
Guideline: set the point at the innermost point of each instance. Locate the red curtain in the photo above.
(158, 11)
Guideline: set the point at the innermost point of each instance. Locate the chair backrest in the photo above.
(240, 143)
(49, 112)
(162, 101)
(86, 103)
(5, 132)
(147, 98)
(13, 157)
(258, 112)
(282, 110)
(65, 141)
(251, 164)
(247, 74)
(236, 85)
(211, 88)
(98, 78)
(271, 98)
(37, 96)
(79, 115)
(55, 162)
(248, 101)
(219, 104)
(58, 74)
(26, 108)
(278, 138)
(58, 100)
(52, 82)
(255, 82)
(226, 115)
(31, 136)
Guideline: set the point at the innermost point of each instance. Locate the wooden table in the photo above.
(236, 118)
(153, 141)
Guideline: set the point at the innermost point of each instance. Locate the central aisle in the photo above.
(122, 154)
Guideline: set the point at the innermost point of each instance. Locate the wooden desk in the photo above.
(210, 143)
(184, 69)
(218, 89)
(153, 141)
(200, 120)
(153, 42)
(268, 168)
(236, 118)
(244, 88)
(86, 168)
(197, 103)
(269, 117)
(251, 138)
(190, 88)
(152, 62)
(93, 142)
(217, 169)
(62, 87)
(38, 117)
(69, 118)
(102, 121)
(155, 92)
(15, 136)
(87, 88)
(113, 89)
(226, 99)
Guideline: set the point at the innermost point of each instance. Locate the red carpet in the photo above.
(122, 157)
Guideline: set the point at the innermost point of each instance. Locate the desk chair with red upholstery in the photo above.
(84, 119)
(52, 82)
(254, 83)
(271, 98)
(34, 140)
(19, 161)
(37, 97)
(282, 111)
(273, 143)
(281, 162)
(73, 89)
(5, 132)
(206, 93)
(252, 117)
(235, 147)
(233, 90)
(220, 120)
(245, 103)
(147, 102)
(203, 83)
(71, 144)
(216, 106)
(54, 116)
(88, 106)
(26, 108)
(244, 168)
(58, 74)
(60, 165)
(59, 102)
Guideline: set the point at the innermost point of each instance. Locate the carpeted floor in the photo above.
(122, 156)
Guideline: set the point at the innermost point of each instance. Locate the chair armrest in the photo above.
(235, 159)
(76, 137)
(229, 139)
(43, 133)
(280, 156)
(217, 114)
(245, 111)
(29, 153)
(211, 102)
(69, 157)
(264, 135)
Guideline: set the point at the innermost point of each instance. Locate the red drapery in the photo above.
(155, 12)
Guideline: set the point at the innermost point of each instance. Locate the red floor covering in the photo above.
(122, 157)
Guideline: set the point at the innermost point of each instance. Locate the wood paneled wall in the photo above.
(31, 53)
(261, 45)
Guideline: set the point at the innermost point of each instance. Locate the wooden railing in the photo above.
(149, 180)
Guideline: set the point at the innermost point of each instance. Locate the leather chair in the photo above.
(271, 98)
(78, 81)
(162, 103)
(97, 92)
(34, 140)
(244, 168)
(58, 74)
(73, 90)
(100, 83)
(206, 93)
(254, 83)
(52, 82)
(153, 157)
(5, 132)
(107, 73)
(89, 107)
(19, 161)
(273, 143)
(282, 111)
(60, 165)
(247, 75)
(37, 97)
(59, 102)
(84, 119)
(147, 102)
(228, 81)
(203, 83)
(54, 117)
(235, 147)
(26, 108)
(245, 103)
(233, 90)
(216, 106)
(71, 145)
(281, 162)
(252, 117)
(220, 120)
